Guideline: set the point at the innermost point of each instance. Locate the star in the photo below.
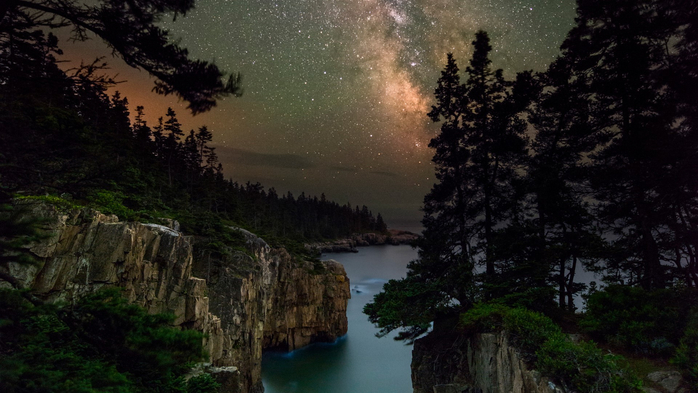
(347, 79)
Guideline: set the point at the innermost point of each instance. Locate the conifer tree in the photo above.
(171, 145)
(556, 214)
(130, 29)
(618, 53)
(480, 146)
(380, 224)
(494, 136)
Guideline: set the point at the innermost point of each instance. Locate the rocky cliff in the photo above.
(244, 302)
(265, 299)
(479, 363)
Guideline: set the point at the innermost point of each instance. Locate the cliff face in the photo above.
(481, 363)
(267, 300)
(244, 302)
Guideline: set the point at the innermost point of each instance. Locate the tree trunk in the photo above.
(570, 282)
(489, 260)
(562, 284)
(653, 276)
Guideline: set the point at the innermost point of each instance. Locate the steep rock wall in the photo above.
(243, 302)
(265, 299)
(306, 308)
(479, 363)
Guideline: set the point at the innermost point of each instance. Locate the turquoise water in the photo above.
(358, 362)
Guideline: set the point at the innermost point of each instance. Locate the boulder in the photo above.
(669, 380)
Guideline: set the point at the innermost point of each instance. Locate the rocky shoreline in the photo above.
(393, 237)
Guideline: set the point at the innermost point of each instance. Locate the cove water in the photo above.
(359, 362)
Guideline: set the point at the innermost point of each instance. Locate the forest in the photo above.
(591, 165)
(67, 141)
(65, 138)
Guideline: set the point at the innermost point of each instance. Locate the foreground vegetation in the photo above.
(576, 366)
(101, 344)
(660, 326)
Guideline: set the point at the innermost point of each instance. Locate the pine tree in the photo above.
(494, 136)
(131, 30)
(380, 224)
(618, 52)
(171, 145)
(555, 182)
(477, 153)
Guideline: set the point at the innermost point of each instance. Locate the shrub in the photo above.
(527, 329)
(60, 203)
(110, 202)
(648, 323)
(583, 367)
(530, 330)
(41, 352)
(577, 367)
(203, 383)
(103, 344)
(484, 317)
(687, 353)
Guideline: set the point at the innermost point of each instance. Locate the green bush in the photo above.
(530, 330)
(203, 383)
(649, 323)
(687, 353)
(42, 353)
(61, 204)
(484, 317)
(527, 329)
(111, 202)
(102, 344)
(583, 367)
(577, 367)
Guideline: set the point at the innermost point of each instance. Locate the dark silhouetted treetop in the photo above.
(623, 57)
(478, 156)
(129, 28)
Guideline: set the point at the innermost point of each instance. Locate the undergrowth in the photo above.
(581, 367)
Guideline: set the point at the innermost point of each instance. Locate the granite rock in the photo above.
(243, 302)
(484, 363)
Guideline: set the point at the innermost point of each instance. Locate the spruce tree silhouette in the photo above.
(621, 57)
(477, 153)
(129, 28)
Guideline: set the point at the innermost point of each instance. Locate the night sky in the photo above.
(337, 91)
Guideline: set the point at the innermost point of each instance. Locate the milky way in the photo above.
(336, 91)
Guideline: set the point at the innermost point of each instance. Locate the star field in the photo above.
(337, 91)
